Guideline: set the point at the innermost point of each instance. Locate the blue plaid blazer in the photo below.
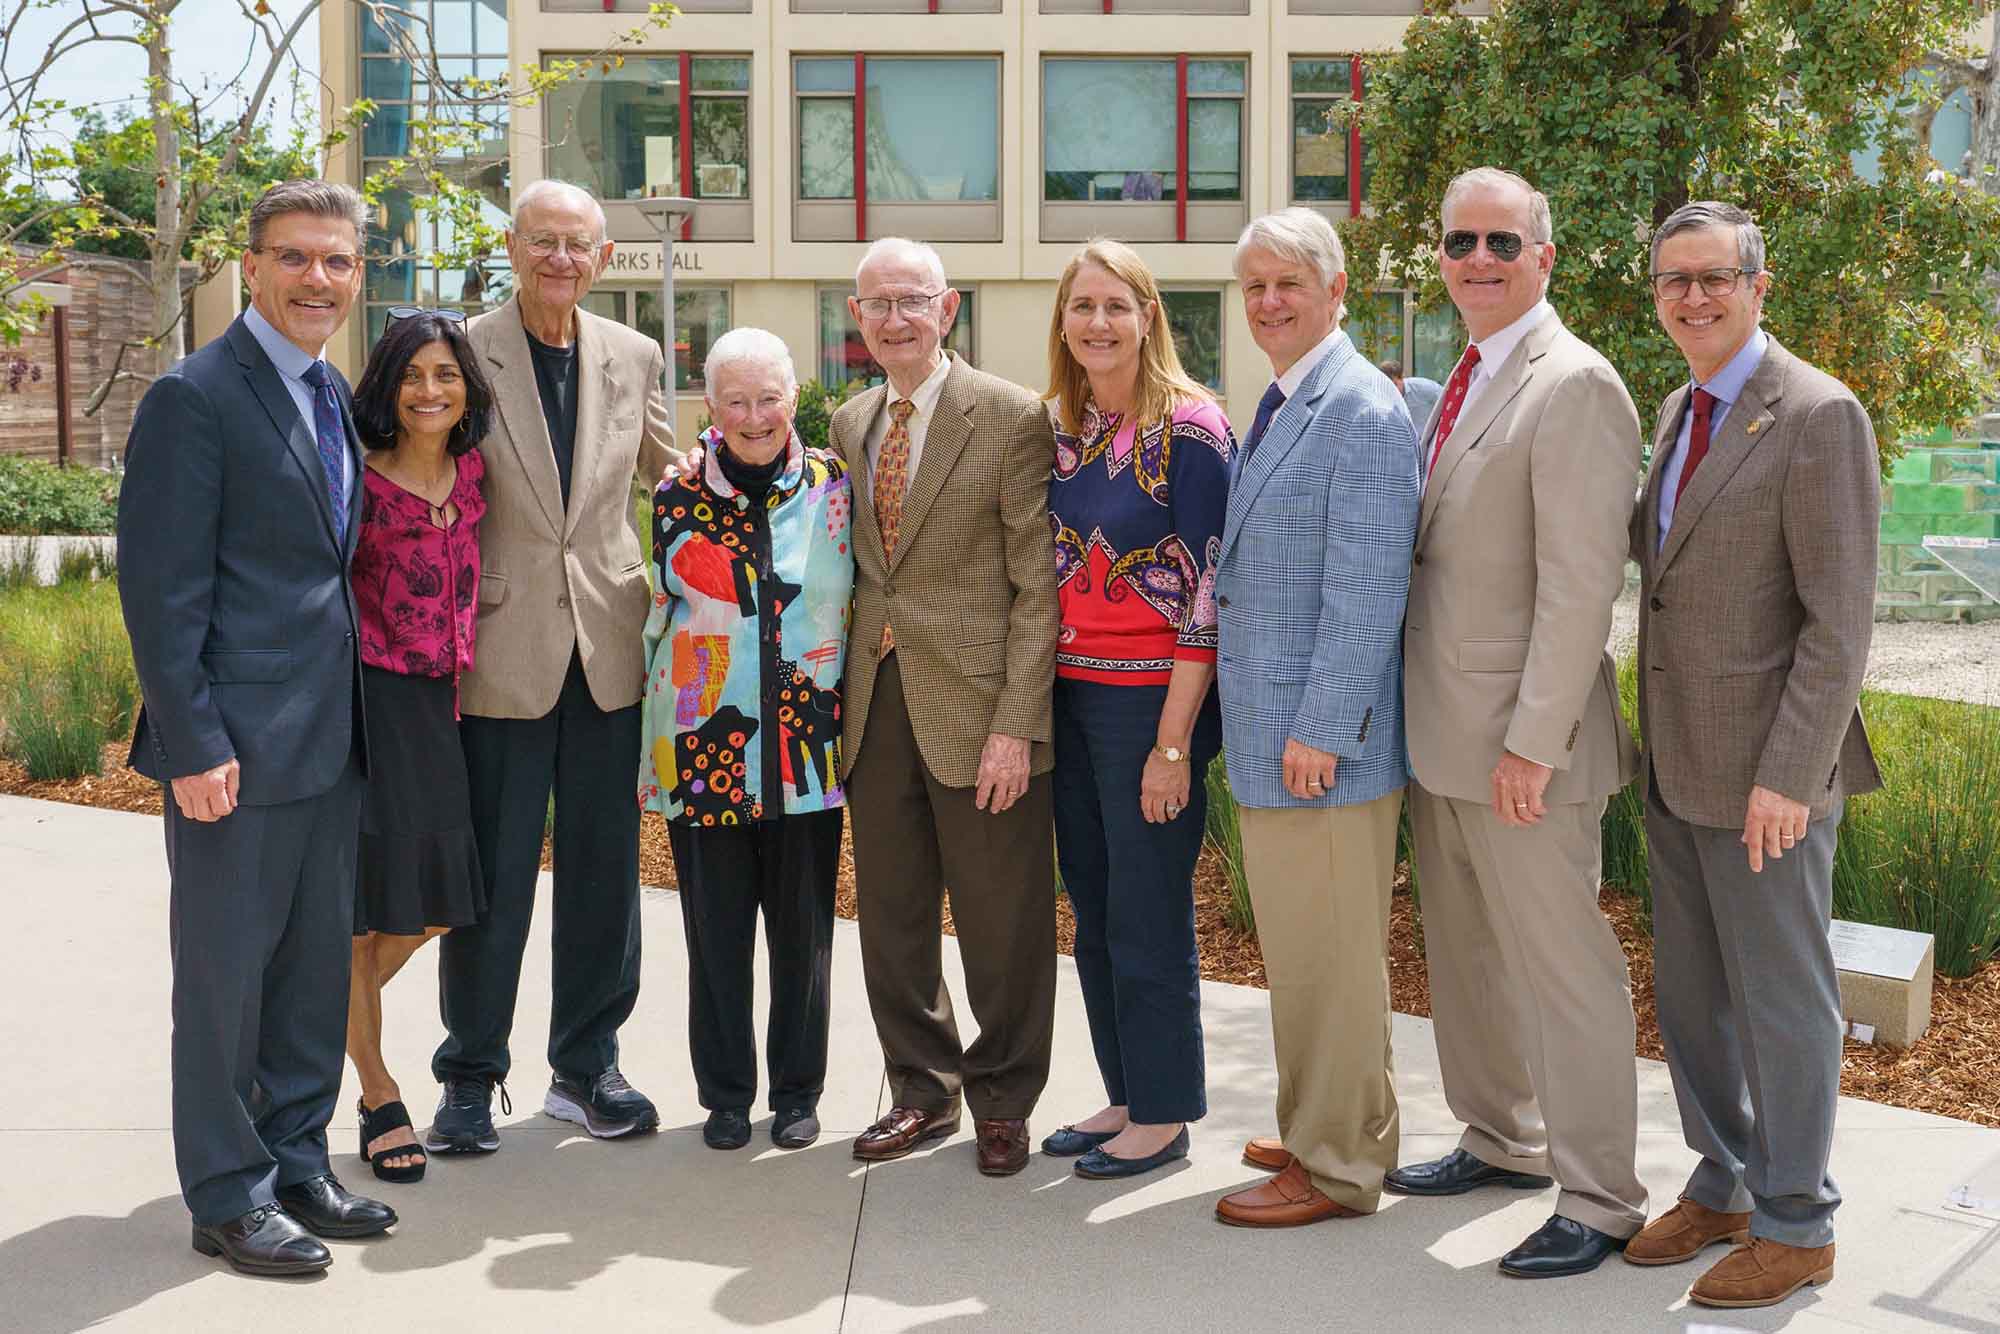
(1315, 571)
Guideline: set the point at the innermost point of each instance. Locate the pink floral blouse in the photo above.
(416, 585)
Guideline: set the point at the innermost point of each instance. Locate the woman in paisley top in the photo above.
(421, 404)
(1137, 502)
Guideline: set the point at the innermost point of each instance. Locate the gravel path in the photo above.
(1911, 658)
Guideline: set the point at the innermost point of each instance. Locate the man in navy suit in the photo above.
(235, 526)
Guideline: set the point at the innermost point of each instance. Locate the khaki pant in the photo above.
(1320, 879)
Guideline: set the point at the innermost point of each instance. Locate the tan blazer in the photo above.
(1755, 617)
(972, 589)
(552, 581)
(1520, 553)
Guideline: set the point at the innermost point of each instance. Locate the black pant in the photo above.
(589, 757)
(786, 866)
(261, 921)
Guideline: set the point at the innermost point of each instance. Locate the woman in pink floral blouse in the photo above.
(420, 405)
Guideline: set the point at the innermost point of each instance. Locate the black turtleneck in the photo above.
(754, 480)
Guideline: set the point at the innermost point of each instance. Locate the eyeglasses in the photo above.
(544, 244)
(877, 307)
(444, 313)
(1673, 285)
(1504, 246)
(339, 265)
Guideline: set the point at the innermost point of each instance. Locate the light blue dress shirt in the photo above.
(1727, 386)
(292, 363)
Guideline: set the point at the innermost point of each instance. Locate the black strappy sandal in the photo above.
(390, 1116)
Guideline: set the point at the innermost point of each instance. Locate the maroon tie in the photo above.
(1454, 399)
(1704, 408)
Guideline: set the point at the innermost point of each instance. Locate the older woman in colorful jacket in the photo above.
(744, 648)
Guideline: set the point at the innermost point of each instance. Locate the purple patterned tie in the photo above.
(332, 439)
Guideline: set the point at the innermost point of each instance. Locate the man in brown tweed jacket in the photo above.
(946, 736)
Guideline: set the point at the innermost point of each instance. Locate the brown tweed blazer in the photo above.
(972, 588)
(1755, 617)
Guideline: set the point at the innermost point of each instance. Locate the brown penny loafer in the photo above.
(1266, 1154)
(1762, 1273)
(902, 1130)
(1288, 1199)
(1003, 1145)
(1683, 1231)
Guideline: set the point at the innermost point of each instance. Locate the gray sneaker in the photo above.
(606, 1106)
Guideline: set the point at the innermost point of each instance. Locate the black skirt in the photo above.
(418, 863)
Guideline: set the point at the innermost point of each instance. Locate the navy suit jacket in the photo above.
(234, 581)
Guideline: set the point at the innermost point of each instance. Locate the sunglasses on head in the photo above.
(1505, 246)
(445, 313)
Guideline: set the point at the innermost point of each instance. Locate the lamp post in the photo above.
(666, 214)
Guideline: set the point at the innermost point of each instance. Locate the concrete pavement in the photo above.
(560, 1232)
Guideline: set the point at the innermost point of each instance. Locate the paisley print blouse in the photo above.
(416, 585)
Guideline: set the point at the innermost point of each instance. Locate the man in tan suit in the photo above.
(946, 750)
(1516, 741)
(553, 702)
(1756, 541)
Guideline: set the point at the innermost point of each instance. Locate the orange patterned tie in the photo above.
(892, 466)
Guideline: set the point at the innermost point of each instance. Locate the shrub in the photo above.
(67, 687)
(1624, 825)
(813, 419)
(39, 499)
(1225, 832)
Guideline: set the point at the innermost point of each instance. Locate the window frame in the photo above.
(963, 338)
(1221, 295)
(626, 299)
(1225, 7)
(895, 6)
(1357, 166)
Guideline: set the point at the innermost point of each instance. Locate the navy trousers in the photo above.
(1131, 886)
(588, 757)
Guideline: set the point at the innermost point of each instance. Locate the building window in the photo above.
(1375, 324)
(1324, 152)
(1393, 8)
(1437, 340)
(643, 6)
(1119, 136)
(843, 356)
(701, 315)
(618, 133)
(930, 161)
(1145, 6)
(895, 6)
(1195, 316)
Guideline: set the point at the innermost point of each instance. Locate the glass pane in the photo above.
(451, 26)
(843, 355)
(1439, 340)
(489, 27)
(701, 315)
(826, 149)
(617, 134)
(387, 133)
(377, 37)
(1319, 152)
(1196, 321)
(1375, 323)
(1107, 129)
(1215, 76)
(395, 280)
(386, 80)
(824, 76)
(1215, 157)
(959, 338)
(933, 130)
(721, 148)
(720, 75)
(1323, 76)
(610, 305)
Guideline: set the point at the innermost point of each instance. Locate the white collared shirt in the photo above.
(1289, 382)
(1495, 348)
(925, 400)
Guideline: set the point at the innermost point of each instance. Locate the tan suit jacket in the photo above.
(553, 581)
(1755, 617)
(1520, 553)
(972, 589)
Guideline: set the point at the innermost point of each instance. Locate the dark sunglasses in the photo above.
(444, 313)
(1505, 246)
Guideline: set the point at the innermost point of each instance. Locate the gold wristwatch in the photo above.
(1171, 754)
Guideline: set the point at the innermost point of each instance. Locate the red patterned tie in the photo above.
(891, 465)
(1697, 450)
(1454, 399)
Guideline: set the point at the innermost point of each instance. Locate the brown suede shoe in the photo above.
(902, 1130)
(1003, 1145)
(1288, 1199)
(1682, 1231)
(1266, 1154)
(1763, 1273)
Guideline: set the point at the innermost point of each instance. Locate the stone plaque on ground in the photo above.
(1885, 982)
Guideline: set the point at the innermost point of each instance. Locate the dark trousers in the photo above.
(588, 757)
(913, 837)
(1131, 886)
(787, 867)
(261, 921)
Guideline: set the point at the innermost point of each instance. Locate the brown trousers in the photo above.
(913, 838)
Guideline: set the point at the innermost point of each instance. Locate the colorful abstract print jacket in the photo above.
(746, 642)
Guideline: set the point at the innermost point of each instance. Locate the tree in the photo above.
(1622, 110)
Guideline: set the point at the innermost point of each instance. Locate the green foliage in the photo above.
(67, 687)
(1624, 824)
(813, 419)
(1225, 834)
(1621, 110)
(39, 498)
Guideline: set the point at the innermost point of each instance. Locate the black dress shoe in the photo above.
(332, 1210)
(1456, 1173)
(264, 1241)
(794, 1127)
(726, 1128)
(604, 1104)
(1068, 1142)
(1560, 1247)
(1101, 1166)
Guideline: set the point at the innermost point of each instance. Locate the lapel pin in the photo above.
(1753, 428)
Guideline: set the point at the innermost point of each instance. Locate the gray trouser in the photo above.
(1749, 1008)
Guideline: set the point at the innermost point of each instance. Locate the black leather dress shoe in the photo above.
(726, 1128)
(264, 1241)
(794, 1127)
(1456, 1173)
(1560, 1247)
(332, 1210)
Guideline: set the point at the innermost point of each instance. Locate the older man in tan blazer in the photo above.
(553, 702)
(1756, 541)
(946, 749)
(1516, 741)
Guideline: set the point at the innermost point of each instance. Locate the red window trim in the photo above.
(1354, 145)
(687, 135)
(1180, 144)
(860, 146)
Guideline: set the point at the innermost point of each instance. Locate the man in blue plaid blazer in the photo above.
(1315, 570)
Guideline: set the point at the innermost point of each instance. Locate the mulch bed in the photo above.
(1953, 1071)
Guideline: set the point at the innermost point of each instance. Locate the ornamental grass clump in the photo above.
(1225, 833)
(67, 687)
